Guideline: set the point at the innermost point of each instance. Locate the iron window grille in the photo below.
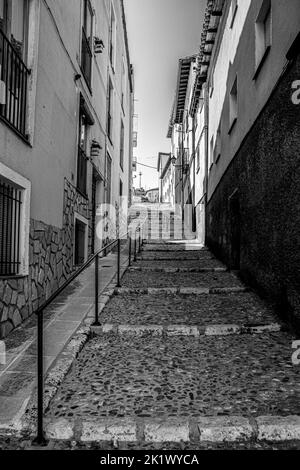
(10, 216)
(13, 86)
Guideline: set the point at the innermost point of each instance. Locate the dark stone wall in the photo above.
(51, 253)
(265, 218)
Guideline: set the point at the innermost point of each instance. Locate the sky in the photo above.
(160, 32)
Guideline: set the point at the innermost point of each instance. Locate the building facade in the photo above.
(66, 99)
(249, 62)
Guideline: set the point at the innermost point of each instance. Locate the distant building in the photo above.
(153, 195)
(166, 180)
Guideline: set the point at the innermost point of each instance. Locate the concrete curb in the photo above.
(218, 429)
(184, 330)
(180, 290)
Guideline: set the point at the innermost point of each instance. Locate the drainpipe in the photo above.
(206, 121)
(194, 176)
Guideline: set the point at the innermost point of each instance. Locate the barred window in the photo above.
(10, 225)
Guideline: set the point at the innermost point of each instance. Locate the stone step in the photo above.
(163, 247)
(197, 264)
(208, 280)
(148, 309)
(175, 256)
(176, 243)
(132, 388)
(172, 270)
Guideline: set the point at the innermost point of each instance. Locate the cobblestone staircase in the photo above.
(186, 358)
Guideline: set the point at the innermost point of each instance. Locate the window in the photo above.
(122, 145)
(87, 42)
(13, 71)
(234, 7)
(233, 104)
(109, 109)
(14, 226)
(108, 179)
(82, 150)
(112, 39)
(121, 188)
(263, 34)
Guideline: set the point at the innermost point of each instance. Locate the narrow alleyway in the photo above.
(185, 355)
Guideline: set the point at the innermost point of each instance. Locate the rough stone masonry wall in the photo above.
(266, 172)
(50, 264)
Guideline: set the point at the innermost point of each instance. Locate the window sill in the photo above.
(232, 126)
(13, 276)
(261, 63)
(15, 131)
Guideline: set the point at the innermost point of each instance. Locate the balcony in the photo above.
(13, 87)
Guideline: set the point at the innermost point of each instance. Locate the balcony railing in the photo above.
(81, 171)
(13, 86)
(86, 58)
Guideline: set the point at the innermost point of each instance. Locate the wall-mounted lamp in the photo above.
(98, 45)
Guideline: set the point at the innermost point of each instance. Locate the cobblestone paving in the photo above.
(187, 310)
(148, 279)
(180, 377)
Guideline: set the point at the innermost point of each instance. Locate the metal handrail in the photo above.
(73, 277)
(40, 439)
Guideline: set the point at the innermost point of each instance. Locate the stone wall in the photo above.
(265, 174)
(50, 264)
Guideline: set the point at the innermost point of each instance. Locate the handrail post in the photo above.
(119, 263)
(135, 258)
(140, 244)
(40, 439)
(96, 323)
(129, 262)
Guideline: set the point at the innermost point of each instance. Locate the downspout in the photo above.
(194, 178)
(206, 124)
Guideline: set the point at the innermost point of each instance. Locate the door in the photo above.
(80, 238)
